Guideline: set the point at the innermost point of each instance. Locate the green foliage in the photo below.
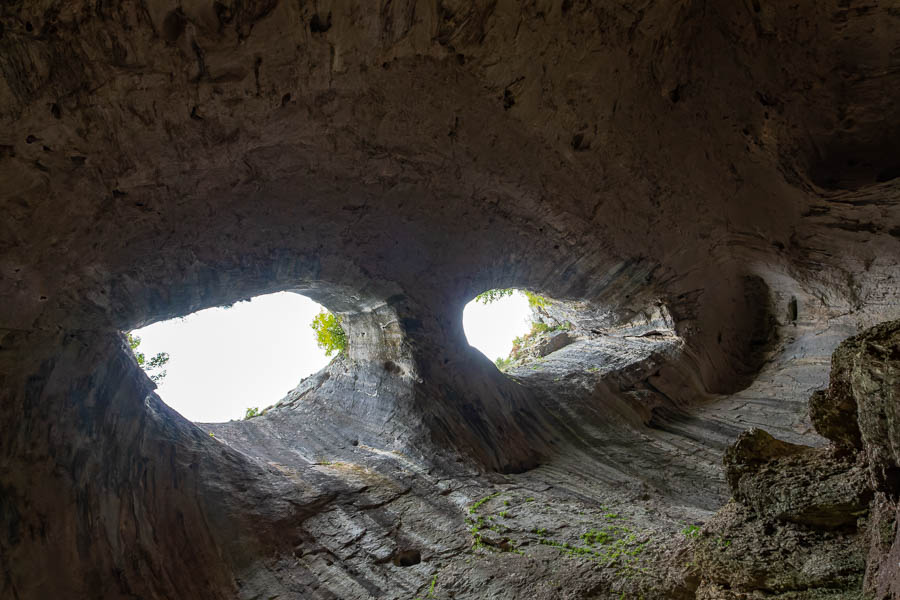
(539, 327)
(133, 343)
(493, 295)
(474, 508)
(330, 335)
(535, 300)
(251, 412)
(611, 544)
(521, 343)
(154, 366)
(691, 531)
(596, 536)
(496, 294)
(476, 524)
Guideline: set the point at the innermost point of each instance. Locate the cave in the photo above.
(705, 192)
(235, 361)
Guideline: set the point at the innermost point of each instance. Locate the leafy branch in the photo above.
(154, 366)
(496, 294)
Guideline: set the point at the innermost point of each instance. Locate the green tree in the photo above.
(330, 335)
(496, 294)
(493, 295)
(154, 366)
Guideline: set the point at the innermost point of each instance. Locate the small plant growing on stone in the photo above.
(535, 300)
(474, 508)
(539, 328)
(691, 531)
(430, 593)
(251, 412)
(595, 536)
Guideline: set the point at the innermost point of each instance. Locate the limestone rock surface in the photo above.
(707, 191)
(809, 522)
(865, 374)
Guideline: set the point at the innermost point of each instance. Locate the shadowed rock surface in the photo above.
(814, 522)
(707, 191)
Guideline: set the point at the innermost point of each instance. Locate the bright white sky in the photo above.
(223, 361)
(492, 327)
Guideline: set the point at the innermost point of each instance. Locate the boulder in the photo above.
(788, 482)
(865, 382)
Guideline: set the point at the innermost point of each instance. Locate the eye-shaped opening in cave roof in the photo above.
(529, 335)
(231, 362)
(503, 322)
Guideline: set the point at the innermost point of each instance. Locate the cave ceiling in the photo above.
(709, 191)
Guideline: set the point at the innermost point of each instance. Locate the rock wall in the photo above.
(816, 523)
(707, 190)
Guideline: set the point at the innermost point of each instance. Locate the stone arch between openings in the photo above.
(392, 391)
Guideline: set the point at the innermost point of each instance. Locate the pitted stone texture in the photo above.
(795, 528)
(811, 488)
(754, 557)
(785, 493)
(751, 451)
(866, 372)
(834, 415)
(712, 591)
(883, 561)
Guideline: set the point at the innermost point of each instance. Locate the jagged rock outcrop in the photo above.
(709, 191)
(865, 375)
(814, 522)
